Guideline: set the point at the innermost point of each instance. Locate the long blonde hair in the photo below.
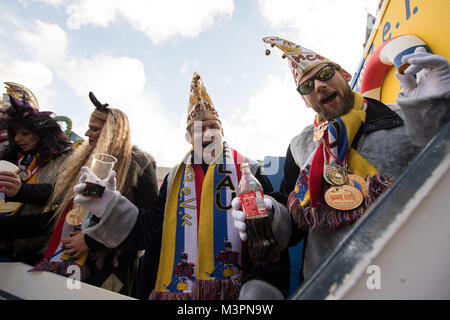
(114, 140)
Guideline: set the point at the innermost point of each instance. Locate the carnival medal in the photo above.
(75, 217)
(24, 174)
(335, 174)
(344, 197)
(319, 131)
(359, 183)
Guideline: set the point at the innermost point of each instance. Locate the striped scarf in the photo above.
(55, 260)
(306, 203)
(201, 249)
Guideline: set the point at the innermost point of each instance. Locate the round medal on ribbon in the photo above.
(319, 131)
(24, 174)
(343, 197)
(74, 217)
(359, 183)
(334, 174)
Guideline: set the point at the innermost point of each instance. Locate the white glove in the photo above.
(239, 215)
(95, 205)
(433, 74)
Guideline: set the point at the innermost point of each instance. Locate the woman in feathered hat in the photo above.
(20, 92)
(38, 146)
(113, 269)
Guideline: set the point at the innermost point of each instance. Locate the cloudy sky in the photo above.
(139, 56)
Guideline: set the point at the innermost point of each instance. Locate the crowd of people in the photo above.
(188, 240)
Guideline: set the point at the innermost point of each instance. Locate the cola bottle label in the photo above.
(253, 204)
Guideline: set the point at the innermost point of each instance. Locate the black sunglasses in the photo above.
(324, 74)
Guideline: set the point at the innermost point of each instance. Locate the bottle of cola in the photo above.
(262, 246)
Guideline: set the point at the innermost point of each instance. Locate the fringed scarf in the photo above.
(306, 203)
(201, 249)
(30, 163)
(55, 260)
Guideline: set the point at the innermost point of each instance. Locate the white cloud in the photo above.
(155, 129)
(34, 75)
(337, 32)
(120, 82)
(114, 77)
(46, 42)
(159, 20)
(53, 3)
(45, 46)
(274, 115)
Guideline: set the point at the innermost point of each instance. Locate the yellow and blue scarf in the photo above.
(306, 203)
(201, 249)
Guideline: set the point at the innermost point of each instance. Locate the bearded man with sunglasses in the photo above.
(356, 147)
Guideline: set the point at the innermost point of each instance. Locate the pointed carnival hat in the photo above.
(301, 59)
(200, 104)
(20, 92)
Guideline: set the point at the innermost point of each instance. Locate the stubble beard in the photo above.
(330, 114)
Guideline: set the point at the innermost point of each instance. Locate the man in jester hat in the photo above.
(336, 167)
(191, 222)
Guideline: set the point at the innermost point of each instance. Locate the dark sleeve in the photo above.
(290, 176)
(265, 182)
(291, 172)
(147, 231)
(275, 273)
(23, 227)
(91, 242)
(32, 194)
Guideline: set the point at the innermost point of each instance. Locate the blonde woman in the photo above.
(112, 269)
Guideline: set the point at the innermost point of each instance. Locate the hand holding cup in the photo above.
(100, 170)
(9, 180)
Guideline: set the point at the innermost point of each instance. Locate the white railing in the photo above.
(17, 283)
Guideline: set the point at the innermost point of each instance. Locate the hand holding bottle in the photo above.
(239, 215)
(262, 245)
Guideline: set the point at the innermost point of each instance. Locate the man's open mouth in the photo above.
(328, 98)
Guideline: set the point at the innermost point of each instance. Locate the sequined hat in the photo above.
(200, 104)
(20, 92)
(301, 59)
(22, 113)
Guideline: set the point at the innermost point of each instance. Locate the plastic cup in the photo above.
(101, 167)
(7, 166)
